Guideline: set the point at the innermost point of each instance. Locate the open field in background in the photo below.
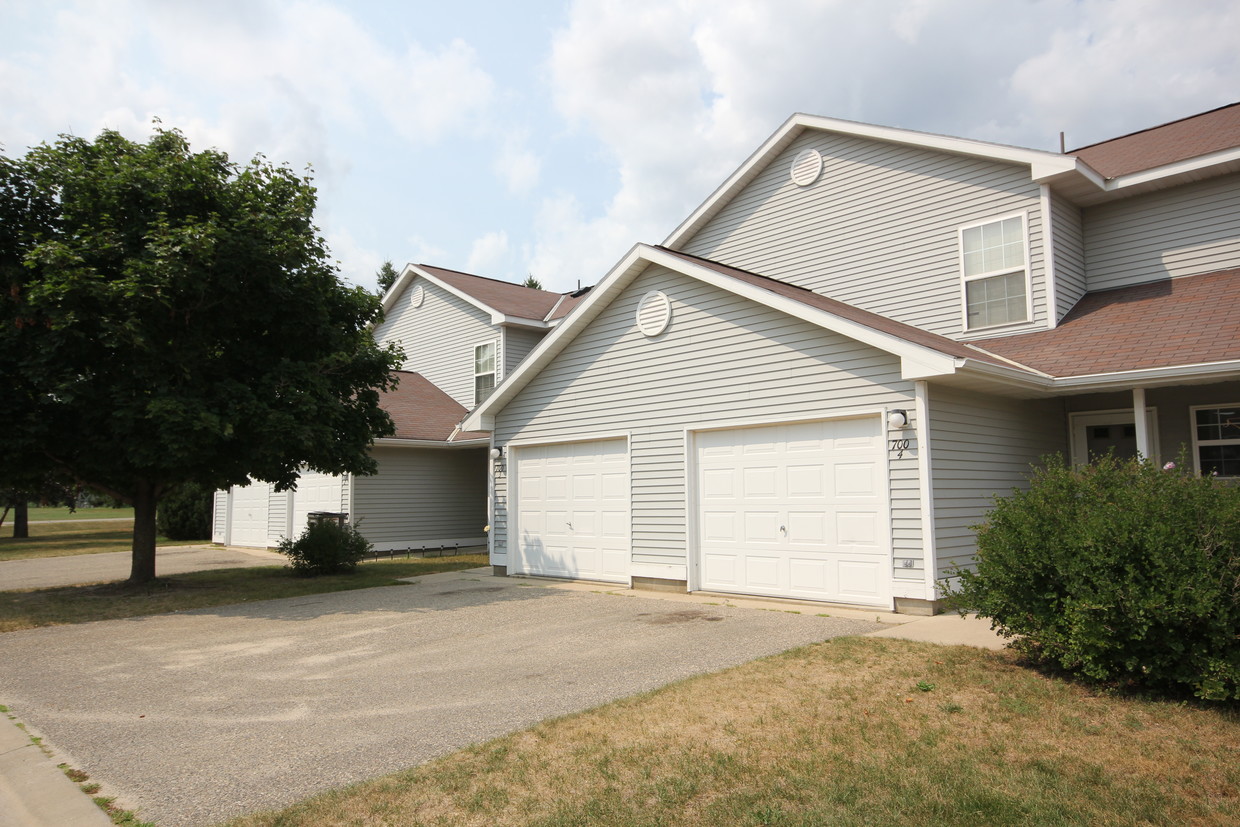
(40, 514)
(856, 731)
(78, 537)
(31, 608)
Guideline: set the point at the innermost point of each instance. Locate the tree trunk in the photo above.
(21, 520)
(142, 569)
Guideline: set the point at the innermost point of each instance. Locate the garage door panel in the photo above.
(573, 510)
(248, 515)
(808, 500)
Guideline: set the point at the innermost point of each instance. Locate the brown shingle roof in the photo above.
(1184, 321)
(571, 300)
(1157, 146)
(882, 324)
(422, 411)
(509, 299)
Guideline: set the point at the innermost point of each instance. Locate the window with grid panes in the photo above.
(484, 371)
(995, 279)
(1216, 440)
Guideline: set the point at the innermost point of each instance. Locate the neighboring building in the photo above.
(461, 334)
(816, 385)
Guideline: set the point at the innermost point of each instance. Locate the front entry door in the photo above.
(1094, 433)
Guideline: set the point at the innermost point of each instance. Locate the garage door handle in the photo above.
(783, 531)
(570, 526)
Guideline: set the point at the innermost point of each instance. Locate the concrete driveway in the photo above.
(44, 572)
(195, 717)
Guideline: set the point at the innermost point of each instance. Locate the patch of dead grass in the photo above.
(836, 733)
(31, 608)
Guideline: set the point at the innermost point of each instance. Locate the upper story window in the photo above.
(996, 284)
(1216, 440)
(484, 371)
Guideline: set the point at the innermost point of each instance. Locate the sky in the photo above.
(546, 137)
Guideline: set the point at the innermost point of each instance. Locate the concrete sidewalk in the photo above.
(80, 569)
(34, 792)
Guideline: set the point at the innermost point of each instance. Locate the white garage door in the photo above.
(315, 492)
(248, 515)
(573, 510)
(795, 511)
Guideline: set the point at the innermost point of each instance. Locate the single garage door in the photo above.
(572, 515)
(248, 515)
(315, 492)
(795, 510)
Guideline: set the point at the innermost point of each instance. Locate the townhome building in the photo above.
(461, 335)
(814, 387)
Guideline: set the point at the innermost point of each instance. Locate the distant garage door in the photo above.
(572, 515)
(795, 511)
(248, 515)
(315, 492)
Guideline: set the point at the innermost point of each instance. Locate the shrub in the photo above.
(184, 513)
(1119, 572)
(325, 548)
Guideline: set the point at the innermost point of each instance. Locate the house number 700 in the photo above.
(899, 446)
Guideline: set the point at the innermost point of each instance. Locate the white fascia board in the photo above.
(460, 294)
(1129, 378)
(1119, 380)
(1041, 162)
(518, 321)
(482, 418)
(398, 286)
(1224, 156)
(391, 442)
(922, 362)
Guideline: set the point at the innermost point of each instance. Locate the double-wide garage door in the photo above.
(573, 510)
(795, 510)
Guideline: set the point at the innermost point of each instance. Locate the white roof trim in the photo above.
(393, 442)
(1118, 380)
(1223, 156)
(1042, 163)
(412, 270)
(916, 361)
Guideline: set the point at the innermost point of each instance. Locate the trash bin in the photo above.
(341, 518)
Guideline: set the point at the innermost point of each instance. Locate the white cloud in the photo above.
(358, 265)
(489, 254)
(517, 166)
(679, 93)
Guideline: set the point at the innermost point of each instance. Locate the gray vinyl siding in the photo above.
(277, 515)
(723, 359)
(219, 517)
(1182, 231)
(1175, 429)
(879, 229)
(518, 342)
(1069, 244)
(439, 338)
(982, 446)
(423, 496)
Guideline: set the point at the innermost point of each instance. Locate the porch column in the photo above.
(1138, 418)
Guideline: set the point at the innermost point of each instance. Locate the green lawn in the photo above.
(41, 514)
(78, 537)
(852, 732)
(31, 608)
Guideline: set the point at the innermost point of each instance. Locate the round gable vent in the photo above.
(416, 296)
(806, 167)
(654, 312)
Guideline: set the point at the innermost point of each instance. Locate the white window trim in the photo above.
(1023, 215)
(1192, 424)
(494, 372)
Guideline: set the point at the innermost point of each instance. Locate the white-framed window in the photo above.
(484, 371)
(994, 267)
(1216, 439)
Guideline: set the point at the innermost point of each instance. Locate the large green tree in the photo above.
(170, 316)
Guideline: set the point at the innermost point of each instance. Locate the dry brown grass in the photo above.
(838, 734)
(30, 608)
